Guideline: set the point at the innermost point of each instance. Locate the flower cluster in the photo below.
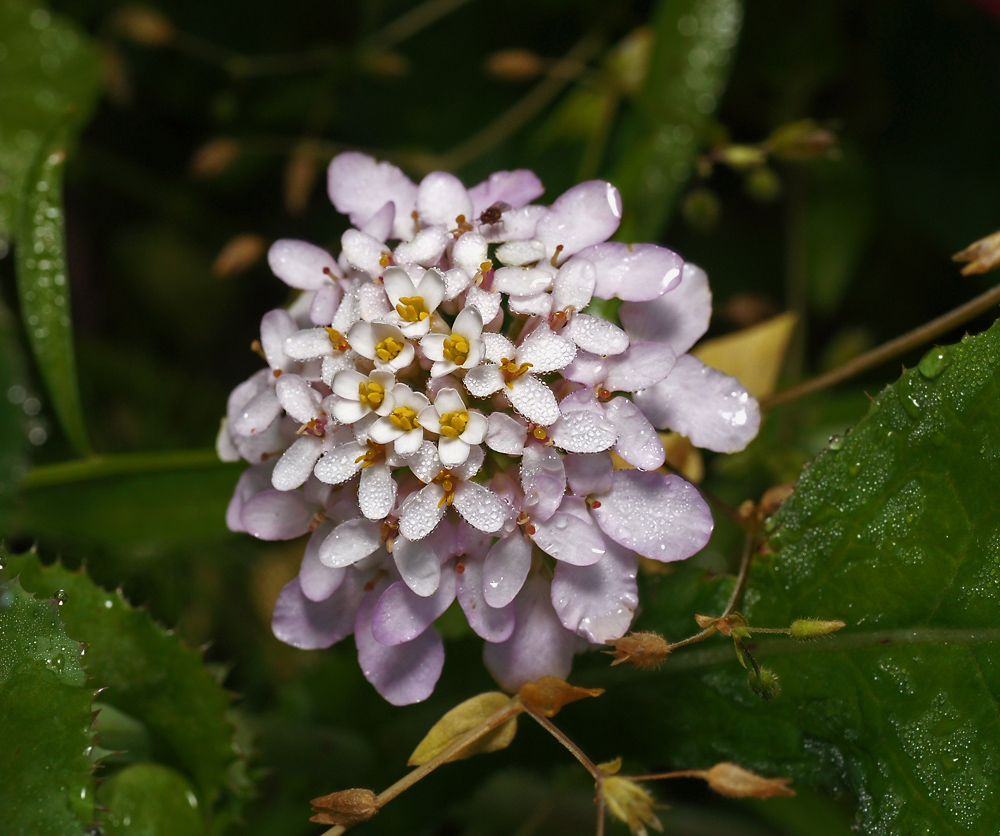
(440, 413)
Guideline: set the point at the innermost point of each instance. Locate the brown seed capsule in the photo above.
(347, 807)
(643, 650)
(737, 782)
(982, 255)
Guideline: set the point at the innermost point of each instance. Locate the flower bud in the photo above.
(144, 26)
(810, 628)
(764, 683)
(239, 253)
(803, 140)
(736, 782)
(214, 157)
(982, 255)
(762, 183)
(773, 497)
(346, 808)
(742, 156)
(513, 65)
(629, 802)
(643, 650)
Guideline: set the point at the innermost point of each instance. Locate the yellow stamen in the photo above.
(404, 418)
(539, 433)
(453, 424)
(371, 394)
(512, 371)
(448, 486)
(337, 339)
(372, 456)
(388, 349)
(412, 308)
(456, 349)
(385, 259)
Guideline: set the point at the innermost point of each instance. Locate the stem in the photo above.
(680, 773)
(407, 25)
(103, 466)
(887, 351)
(568, 68)
(600, 816)
(497, 718)
(560, 735)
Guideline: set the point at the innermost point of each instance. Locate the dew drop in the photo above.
(836, 442)
(934, 362)
(60, 597)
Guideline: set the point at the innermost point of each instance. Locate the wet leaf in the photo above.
(43, 286)
(894, 530)
(550, 694)
(46, 785)
(754, 355)
(148, 799)
(147, 673)
(688, 68)
(462, 719)
(13, 432)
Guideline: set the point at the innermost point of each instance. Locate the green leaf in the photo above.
(895, 531)
(687, 73)
(51, 77)
(150, 800)
(43, 286)
(46, 781)
(13, 435)
(126, 500)
(147, 673)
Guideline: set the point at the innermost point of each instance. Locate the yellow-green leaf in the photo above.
(461, 720)
(753, 356)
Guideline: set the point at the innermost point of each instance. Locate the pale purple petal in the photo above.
(634, 272)
(589, 473)
(309, 343)
(505, 568)
(583, 431)
(376, 491)
(302, 265)
(419, 563)
(425, 463)
(566, 537)
(660, 516)
(483, 381)
(403, 674)
(341, 463)
(484, 301)
(426, 248)
(505, 434)
(539, 646)
(598, 601)
(677, 318)
(522, 281)
(421, 512)
(296, 463)
(400, 615)
(637, 442)
(323, 307)
(712, 409)
(513, 187)
(275, 327)
(469, 253)
(441, 198)
(362, 251)
(298, 398)
(520, 253)
(310, 625)
(574, 285)
(359, 187)
(277, 515)
(479, 507)
(545, 350)
(586, 368)
(642, 366)
(596, 335)
(350, 542)
(588, 213)
(380, 224)
(533, 399)
(538, 304)
(319, 582)
(490, 623)
(252, 481)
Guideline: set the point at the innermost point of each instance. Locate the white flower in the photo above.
(461, 349)
(413, 304)
(402, 427)
(460, 428)
(382, 343)
(359, 395)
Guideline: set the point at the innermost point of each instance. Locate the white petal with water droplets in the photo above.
(341, 463)
(296, 463)
(573, 287)
(638, 442)
(484, 380)
(469, 253)
(258, 414)
(441, 198)
(596, 335)
(376, 492)
(497, 347)
(522, 281)
(350, 542)
(583, 431)
(362, 251)
(545, 350)
(312, 342)
(599, 601)
(426, 247)
(298, 398)
(506, 566)
(421, 512)
(418, 563)
(300, 264)
(533, 399)
(520, 253)
(480, 507)
(484, 301)
(505, 435)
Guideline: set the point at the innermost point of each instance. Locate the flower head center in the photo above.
(371, 394)
(456, 349)
(404, 418)
(512, 371)
(453, 423)
(388, 349)
(373, 455)
(412, 308)
(337, 339)
(447, 483)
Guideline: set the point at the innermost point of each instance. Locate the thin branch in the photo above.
(497, 718)
(681, 773)
(560, 735)
(600, 815)
(407, 25)
(894, 348)
(570, 67)
(119, 464)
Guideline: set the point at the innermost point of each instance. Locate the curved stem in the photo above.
(560, 735)
(887, 351)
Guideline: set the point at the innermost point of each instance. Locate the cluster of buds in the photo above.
(439, 414)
